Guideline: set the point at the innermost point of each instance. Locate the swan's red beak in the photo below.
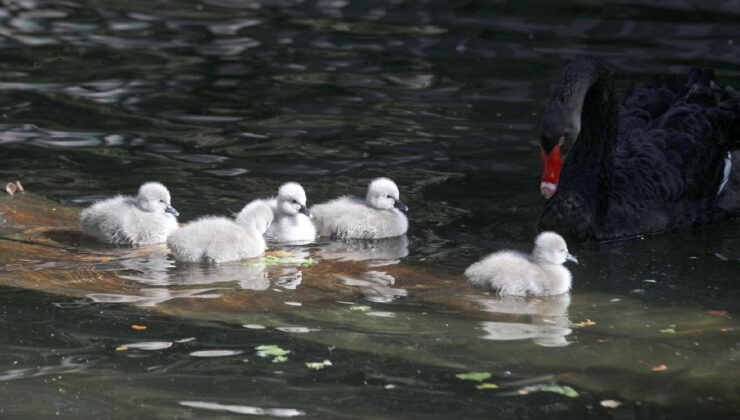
(551, 173)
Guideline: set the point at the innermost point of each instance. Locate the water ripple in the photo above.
(215, 353)
(243, 409)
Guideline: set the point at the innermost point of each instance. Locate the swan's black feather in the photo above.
(663, 170)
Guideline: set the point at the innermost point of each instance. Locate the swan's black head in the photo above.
(561, 122)
(558, 132)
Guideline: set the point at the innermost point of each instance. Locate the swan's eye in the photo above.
(561, 140)
(161, 201)
(389, 196)
(295, 201)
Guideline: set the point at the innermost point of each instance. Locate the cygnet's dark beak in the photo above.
(399, 205)
(170, 209)
(305, 211)
(571, 257)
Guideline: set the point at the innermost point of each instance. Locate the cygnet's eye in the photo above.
(389, 196)
(295, 201)
(161, 201)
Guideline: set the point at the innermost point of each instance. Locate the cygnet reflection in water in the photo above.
(543, 334)
(158, 269)
(544, 319)
(289, 276)
(516, 274)
(375, 286)
(292, 219)
(243, 275)
(379, 252)
(152, 296)
(380, 215)
(153, 268)
(217, 239)
(161, 280)
(142, 220)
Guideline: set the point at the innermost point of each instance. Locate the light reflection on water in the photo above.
(224, 100)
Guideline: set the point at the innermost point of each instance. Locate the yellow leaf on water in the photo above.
(585, 323)
(610, 403)
(659, 368)
(138, 327)
(121, 348)
(487, 385)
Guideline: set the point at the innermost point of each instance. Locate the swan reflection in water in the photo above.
(544, 319)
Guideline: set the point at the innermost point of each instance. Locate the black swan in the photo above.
(658, 161)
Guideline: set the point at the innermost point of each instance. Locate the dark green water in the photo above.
(224, 100)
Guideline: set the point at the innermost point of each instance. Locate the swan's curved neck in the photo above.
(586, 92)
(566, 103)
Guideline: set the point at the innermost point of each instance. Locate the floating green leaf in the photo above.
(668, 331)
(486, 385)
(315, 365)
(474, 376)
(270, 350)
(267, 350)
(318, 365)
(562, 390)
(361, 308)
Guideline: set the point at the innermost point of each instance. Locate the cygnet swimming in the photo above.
(380, 215)
(219, 239)
(516, 274)
(142, 220)
(292, 219)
